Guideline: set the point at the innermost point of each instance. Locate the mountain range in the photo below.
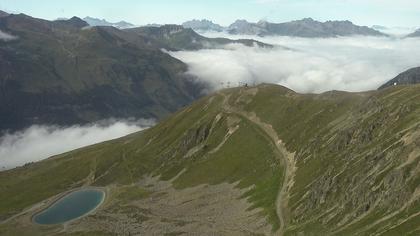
(300, 28)
(260, 160)
(63, 72)
(249, 160)
(98, 22)
(176, 37)
(203, 25)
(66, 72)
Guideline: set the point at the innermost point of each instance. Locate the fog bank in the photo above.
(39, 142)
(314, 65)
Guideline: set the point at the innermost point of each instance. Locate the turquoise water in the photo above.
(71, 206)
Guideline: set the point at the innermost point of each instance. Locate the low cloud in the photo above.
(314, 65)
(40, 142)
(6, 37)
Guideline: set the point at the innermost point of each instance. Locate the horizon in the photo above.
(406, 12)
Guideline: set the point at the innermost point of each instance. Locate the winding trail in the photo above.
(286, 157)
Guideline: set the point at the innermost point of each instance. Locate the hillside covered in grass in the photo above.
(261, 160)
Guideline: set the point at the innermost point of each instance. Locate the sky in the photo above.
(363, 12)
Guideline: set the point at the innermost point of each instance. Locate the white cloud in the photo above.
(316, 65)
(40, 142)
(6, 37)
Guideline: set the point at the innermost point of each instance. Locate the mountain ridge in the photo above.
(410, 76)
(306, 27)
(85, 74)
(176, 37)
(98, 22)
(336, 163)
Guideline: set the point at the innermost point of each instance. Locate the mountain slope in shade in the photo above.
(302, 28)
(176, 37)
(62, 72)
(252, 160)
(411, 76)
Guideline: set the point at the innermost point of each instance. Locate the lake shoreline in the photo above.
(60, 196)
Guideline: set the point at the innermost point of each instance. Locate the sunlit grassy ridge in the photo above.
(356, 159)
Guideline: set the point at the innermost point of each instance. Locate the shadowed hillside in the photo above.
(65, 72)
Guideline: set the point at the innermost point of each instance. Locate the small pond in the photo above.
(71, 206)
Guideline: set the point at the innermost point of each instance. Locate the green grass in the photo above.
(338, 139)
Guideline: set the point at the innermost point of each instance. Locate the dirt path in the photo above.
(287, 158)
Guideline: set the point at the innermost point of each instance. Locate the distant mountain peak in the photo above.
(306, 27)
(102, 22)
(74, 22)
(241, 21)
(414, 34)
(308, 19)
(202, 25)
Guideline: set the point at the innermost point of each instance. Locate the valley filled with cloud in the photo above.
(309, 66)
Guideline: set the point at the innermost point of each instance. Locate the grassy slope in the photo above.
(339, 138)
(347, 149)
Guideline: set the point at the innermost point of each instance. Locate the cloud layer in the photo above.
(40, 142)
(315, 65)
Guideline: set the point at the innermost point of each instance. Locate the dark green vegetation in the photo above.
(343, 164)
(411, 76)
